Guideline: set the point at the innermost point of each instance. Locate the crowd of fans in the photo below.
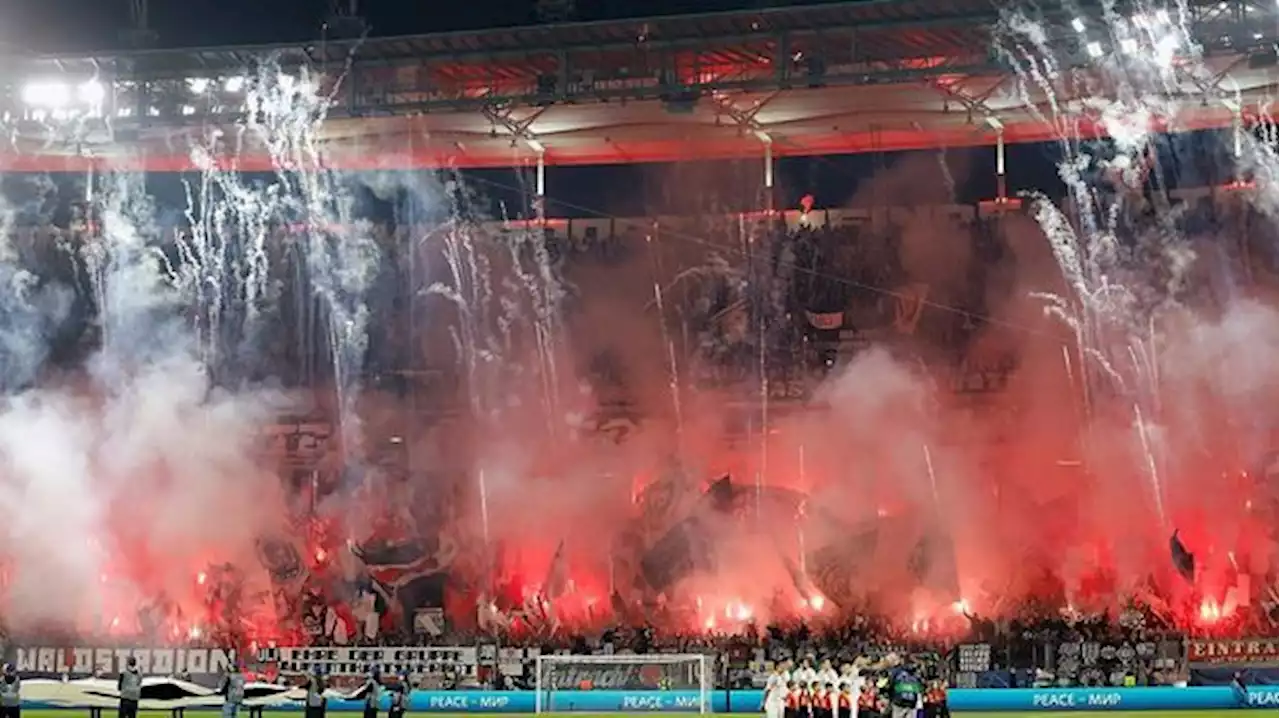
(794, 268)
(802, 268)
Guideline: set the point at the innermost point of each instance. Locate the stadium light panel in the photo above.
(48, 95)
(233, 84)
(1095, 49)
(198, 85)
(1129, 46)
(1078, 25)
(188, 110)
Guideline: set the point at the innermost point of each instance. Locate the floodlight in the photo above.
(233, 84)
(1078, 25)
(46, 94)
(1128, 46)
(1095, 49)
(188, 110)
(124, 112)
(91, 92)
(198, 85)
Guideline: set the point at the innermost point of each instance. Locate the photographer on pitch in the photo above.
(316, 685)
(372, 692)
(10, 693)
(232, 690)
(130, 687)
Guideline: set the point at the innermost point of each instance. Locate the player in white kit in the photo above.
(827, 674)
(775, 692)
(804, 674)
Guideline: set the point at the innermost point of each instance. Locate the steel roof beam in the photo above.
(530, 97)
(518, 129)
(1214, 16)
(171, 63)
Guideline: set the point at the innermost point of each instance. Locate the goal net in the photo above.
(665, 682)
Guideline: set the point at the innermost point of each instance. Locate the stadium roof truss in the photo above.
(875, 75)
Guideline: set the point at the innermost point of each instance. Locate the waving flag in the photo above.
(911, 300)
(1183, 560)
(557, 580)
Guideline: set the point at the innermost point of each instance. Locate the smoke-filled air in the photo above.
(369, 392)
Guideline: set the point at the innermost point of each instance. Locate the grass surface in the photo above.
(294, 714)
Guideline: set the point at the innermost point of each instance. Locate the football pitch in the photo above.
(109, 713)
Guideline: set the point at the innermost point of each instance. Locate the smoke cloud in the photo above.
(1027, 407)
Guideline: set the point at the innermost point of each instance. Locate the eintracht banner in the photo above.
(151, 661)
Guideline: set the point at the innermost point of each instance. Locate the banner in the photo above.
(1108, 699)
(358, 661)
(299, 444)
(151, 661)
(1247, 652)
(56, 694)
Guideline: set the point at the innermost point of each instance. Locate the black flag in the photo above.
(1183, 560)
(683, 550)
(722, 494)
(920, 562)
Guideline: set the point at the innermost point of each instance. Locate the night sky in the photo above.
(71, 25)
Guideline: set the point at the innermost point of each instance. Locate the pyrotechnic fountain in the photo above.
(1120, 246)
(1134, 85)
(180, 323)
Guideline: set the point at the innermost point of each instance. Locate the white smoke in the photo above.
(126, 477)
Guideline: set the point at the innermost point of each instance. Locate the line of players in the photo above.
(888, 689)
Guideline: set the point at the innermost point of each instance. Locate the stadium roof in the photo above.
(876, 75)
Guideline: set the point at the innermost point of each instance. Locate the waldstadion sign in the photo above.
(85, 661)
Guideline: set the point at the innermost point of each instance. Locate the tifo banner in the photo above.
(151, 661)
(1247, 652)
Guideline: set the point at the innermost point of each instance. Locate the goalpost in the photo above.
(666, 682)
